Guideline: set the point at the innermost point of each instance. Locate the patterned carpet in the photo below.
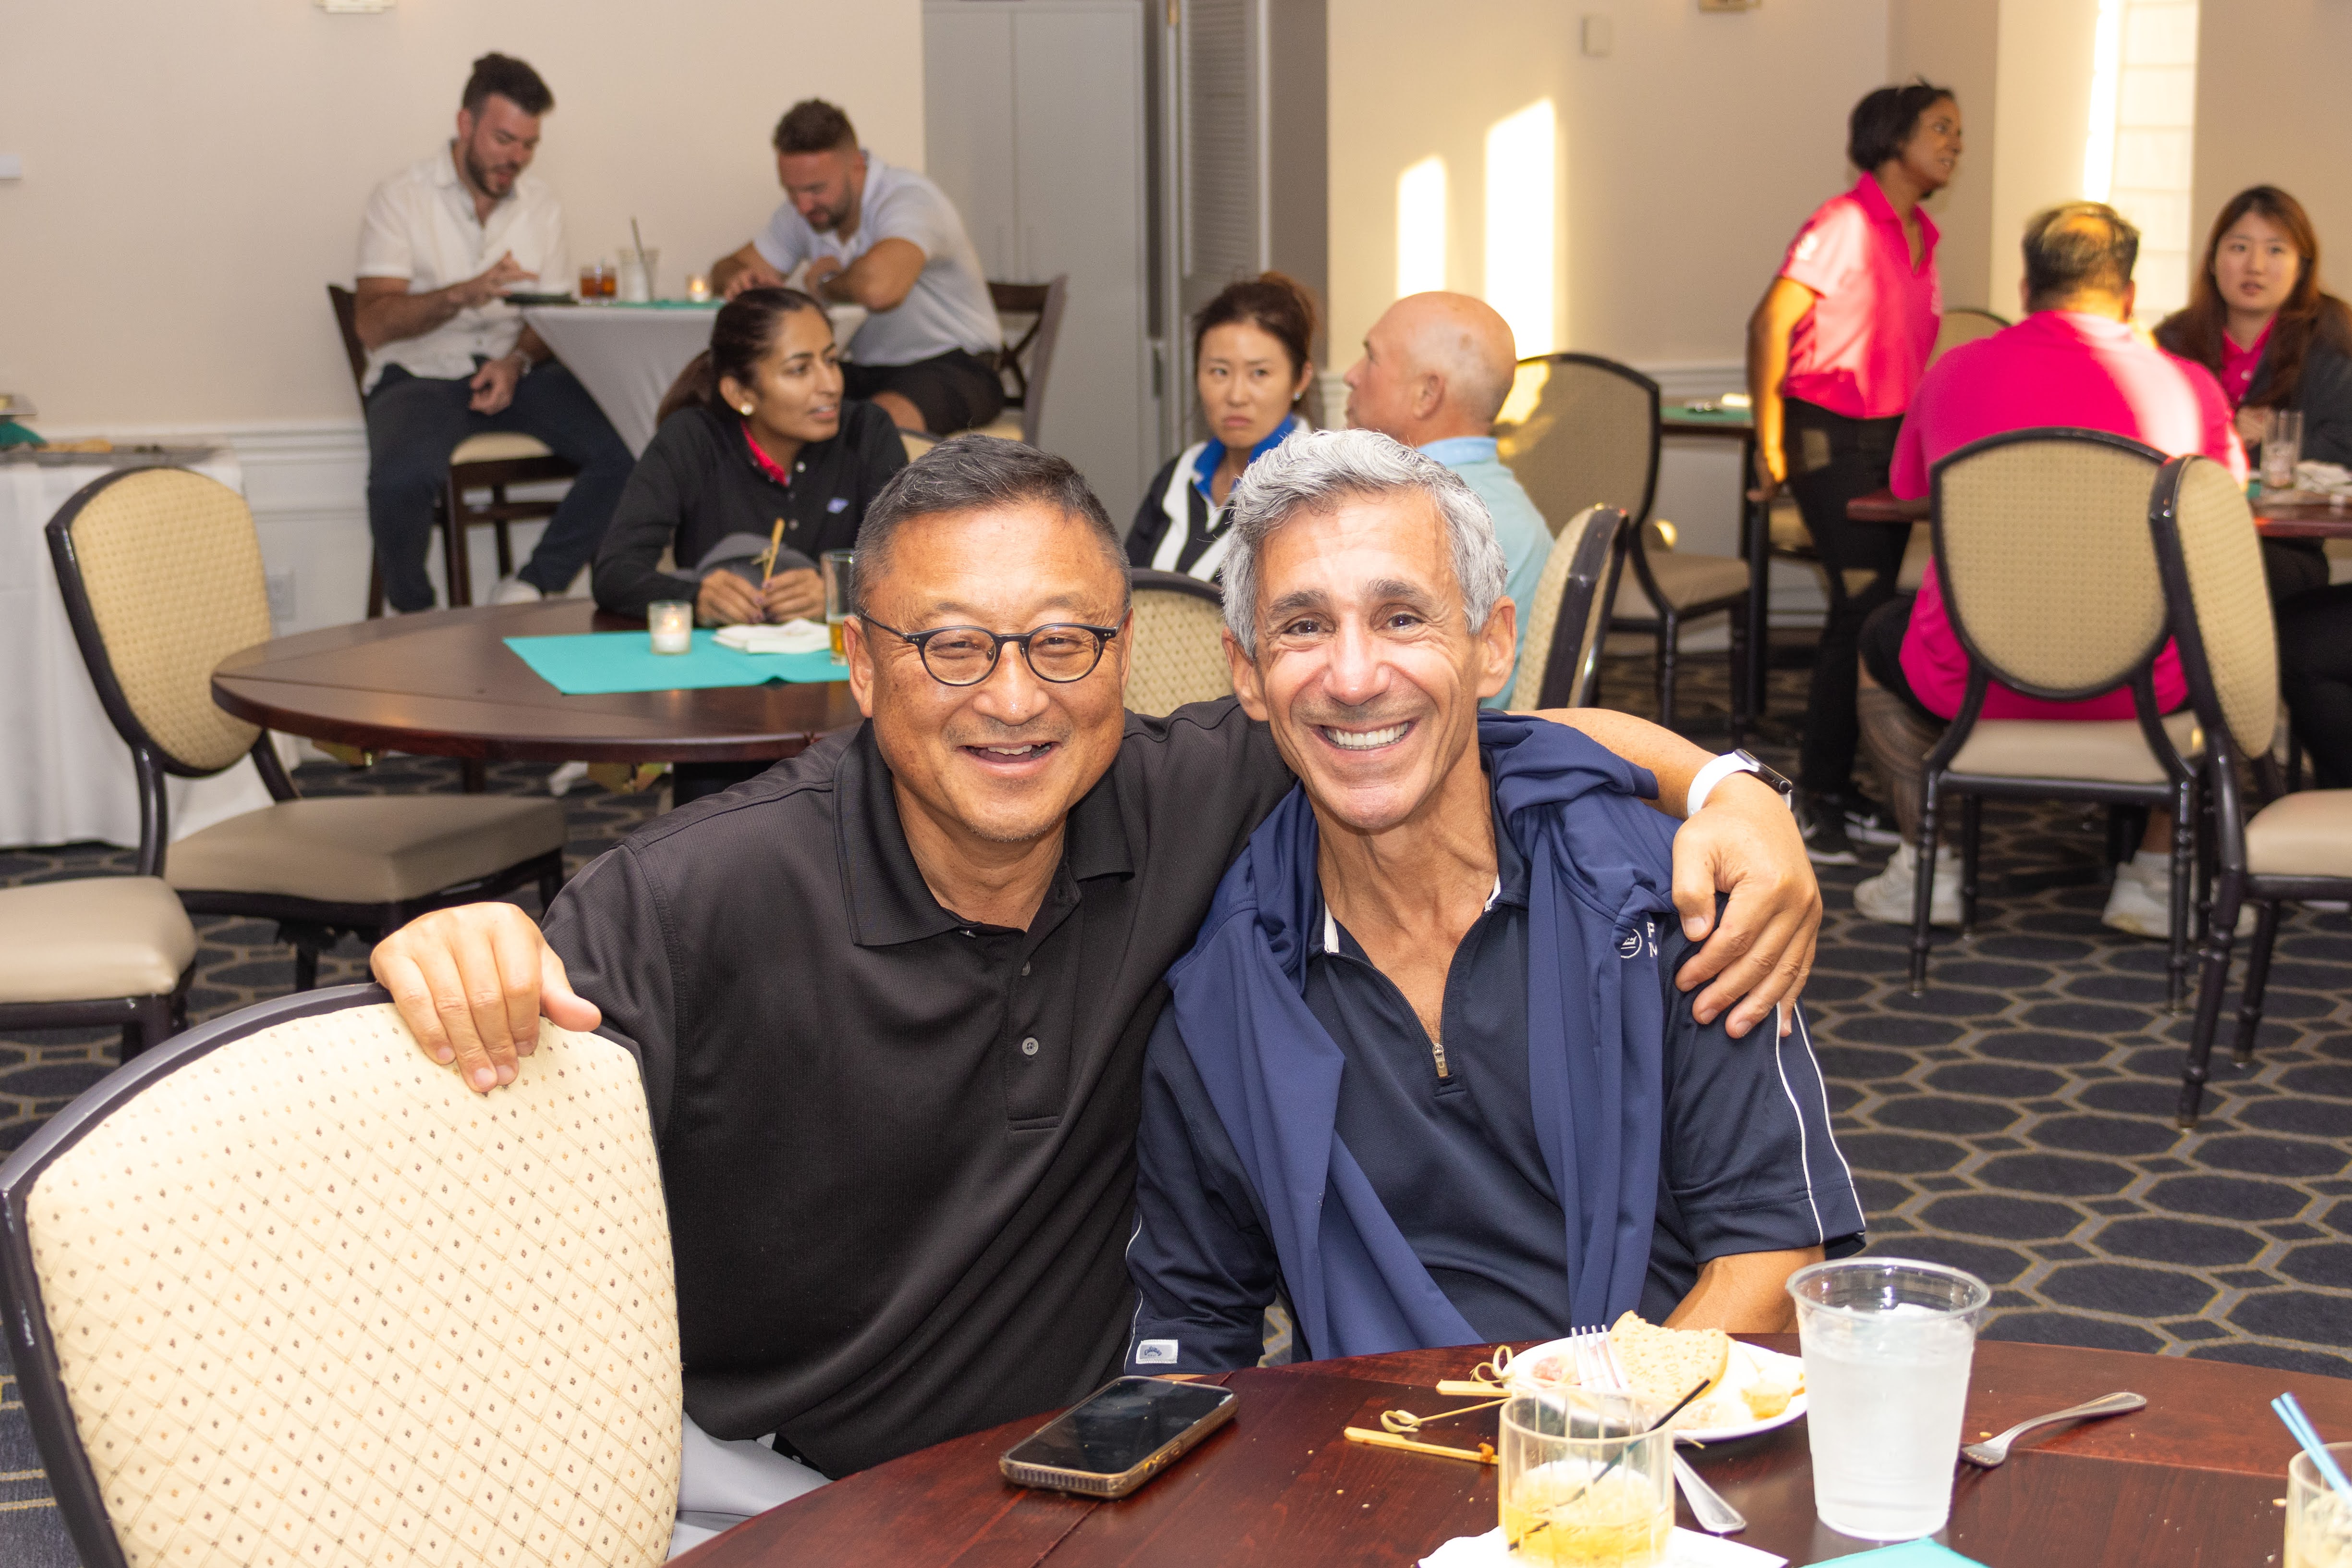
(2015, 1121)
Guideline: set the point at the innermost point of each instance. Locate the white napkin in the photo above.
(1688, 1549)
(2325, 478)
(797, 635)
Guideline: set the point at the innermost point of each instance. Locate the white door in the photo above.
(968, 122)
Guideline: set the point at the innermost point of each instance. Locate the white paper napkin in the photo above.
(1688, 1549)
(796, 635)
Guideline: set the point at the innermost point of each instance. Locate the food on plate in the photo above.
(1665, 1365)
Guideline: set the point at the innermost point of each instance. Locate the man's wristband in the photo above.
(1723, 767)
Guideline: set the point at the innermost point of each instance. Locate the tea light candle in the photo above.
(698, 287)
(671, 623)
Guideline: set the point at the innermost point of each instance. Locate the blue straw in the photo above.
(2290, 1411)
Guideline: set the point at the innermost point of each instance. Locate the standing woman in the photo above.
(1250, 348)
(2258, 319)
(1835, 349)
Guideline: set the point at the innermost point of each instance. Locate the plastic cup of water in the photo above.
(2318, 1518)
(1888, 1343)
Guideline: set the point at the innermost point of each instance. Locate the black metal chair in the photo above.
(1024, 363)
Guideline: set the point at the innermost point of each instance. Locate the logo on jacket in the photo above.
(1630, 944)
(838, 503)
(1156, 1353)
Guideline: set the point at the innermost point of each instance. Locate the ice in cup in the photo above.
(670, 622)
(838, 570)
(637, 274)
(1888, 1343)
(2318, 1516)
(1587, 1479)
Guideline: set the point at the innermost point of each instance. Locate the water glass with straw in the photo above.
(2318, 1496)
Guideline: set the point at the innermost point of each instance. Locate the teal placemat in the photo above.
(1911, 1554)
(1675, 414)
(595, 664)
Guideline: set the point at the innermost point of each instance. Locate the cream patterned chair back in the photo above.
(2229, 628)
(284, 1291)
(1179, 651)
(1581, 431)
(161, 574)
(1560, 654)
(2046, 565)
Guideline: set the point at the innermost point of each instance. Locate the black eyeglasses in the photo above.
(966, 655)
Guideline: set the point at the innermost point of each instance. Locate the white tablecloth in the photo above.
(69, 776)
(627, 356)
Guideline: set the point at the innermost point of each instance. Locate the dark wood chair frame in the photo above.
(2177, 794)
(1024, 364)
(1667, 625)
(145, 1021)
(1593, 574)
(32, 1348)
(2233, 884)
(310, 925)
(1144, 577)
(453, 514)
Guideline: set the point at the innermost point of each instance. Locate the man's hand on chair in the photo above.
(471, 982)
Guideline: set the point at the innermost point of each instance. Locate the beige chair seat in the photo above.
(1005, 426)
(1684, 580)
(380, 850)
(95, 937)
(500, 447)
(2089, 752)
(2308, 834)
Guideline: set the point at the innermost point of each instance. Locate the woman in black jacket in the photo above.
(2258, 319)
(755, 428)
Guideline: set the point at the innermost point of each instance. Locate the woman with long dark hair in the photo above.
(1250, 367)
(2258, 319)
(1835, 349)
(755, 428)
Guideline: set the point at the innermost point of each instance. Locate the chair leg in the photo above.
(1743, 649)
(152, 1025)
(498, 531)
(1924, 893)
(549, 884)
(305, 964)
(375, 586)
(2258, 971)
(1669, 647)
(457, 568)
(2210, 984)
(2176, 965)
(1971, 839)
(473, 776)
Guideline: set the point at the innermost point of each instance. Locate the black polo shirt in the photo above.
(897, 1147)
(697, 483)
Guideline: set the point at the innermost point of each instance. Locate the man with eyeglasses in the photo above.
(891, 997)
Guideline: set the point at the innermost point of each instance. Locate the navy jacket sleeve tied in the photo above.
(1600, 869)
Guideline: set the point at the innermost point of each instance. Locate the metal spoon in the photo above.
(1991, 1454)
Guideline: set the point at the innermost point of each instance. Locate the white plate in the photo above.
(1773, 1362)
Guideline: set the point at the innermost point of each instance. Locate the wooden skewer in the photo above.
(775, 543)
(1466, 1386)
(1483, 1455)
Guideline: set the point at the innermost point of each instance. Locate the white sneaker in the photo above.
(2140, 902)
(1892, 896)
(515, 591)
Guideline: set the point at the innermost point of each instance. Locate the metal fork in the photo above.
(1596, 1368)
(1993, 1453)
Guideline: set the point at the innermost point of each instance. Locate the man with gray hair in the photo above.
(1426, 1068)
(1435, 371)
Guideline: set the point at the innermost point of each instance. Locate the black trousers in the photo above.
(2315, 677)
(1833, 460)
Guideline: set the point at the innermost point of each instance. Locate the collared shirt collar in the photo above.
(1866, 191)
(890, 901)
(1456, 451)
(444, 175)
(1204, 467)
(1510, 886)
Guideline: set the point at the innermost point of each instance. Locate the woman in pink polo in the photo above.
(1834, 351)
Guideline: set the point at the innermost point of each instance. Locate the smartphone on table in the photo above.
(1121, 1436)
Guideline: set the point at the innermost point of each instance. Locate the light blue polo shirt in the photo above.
(1518, 526)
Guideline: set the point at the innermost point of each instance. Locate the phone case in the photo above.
(1091, 1483)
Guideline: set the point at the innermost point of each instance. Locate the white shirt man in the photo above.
(421, 228)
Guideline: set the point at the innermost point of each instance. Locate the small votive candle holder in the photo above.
(671, 625)
(698, 287)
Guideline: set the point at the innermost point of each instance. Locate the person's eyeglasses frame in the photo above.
(922, 639)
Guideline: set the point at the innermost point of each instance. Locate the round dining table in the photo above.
(444, 683)
(2273, 519)
(2197, 1478)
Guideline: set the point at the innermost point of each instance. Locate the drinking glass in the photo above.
(838, 568)
(638, 269)
(1588, 1479)
(671, 624)
(2281, 448)
(595, 282)
(2318, 1518)
(1886, 1344)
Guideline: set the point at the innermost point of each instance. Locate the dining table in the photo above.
(2196, 1479)
(444, 683)
(2273, 519)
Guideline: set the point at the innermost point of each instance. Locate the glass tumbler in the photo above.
(2318, 1516)
(2281, 448)
(1588, 1479)
(839, 570)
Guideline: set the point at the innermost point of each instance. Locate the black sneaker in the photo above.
(1867, 822)
(1823, 824)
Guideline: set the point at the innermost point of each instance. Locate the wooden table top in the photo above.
(2191, 1479)
(445, 683)
(2302, 519)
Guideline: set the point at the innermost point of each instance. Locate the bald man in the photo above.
(1436, 370)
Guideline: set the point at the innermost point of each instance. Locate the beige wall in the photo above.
(194, 173)
(2254, 57)
(1954, 44)
(2046, 52)
(1689, 156)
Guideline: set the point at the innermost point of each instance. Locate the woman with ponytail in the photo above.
(754, 429)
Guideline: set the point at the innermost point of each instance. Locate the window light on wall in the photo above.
(1522, 175)
(2139, 150)
(1420, 227)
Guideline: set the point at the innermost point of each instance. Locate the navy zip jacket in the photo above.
(1241, 1156)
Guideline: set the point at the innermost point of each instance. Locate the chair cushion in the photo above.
(382, 849)
(91, 939)
(2308, 834)
(2100, 751)
(1684, 579)
(500, 447)
(1005, 426)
